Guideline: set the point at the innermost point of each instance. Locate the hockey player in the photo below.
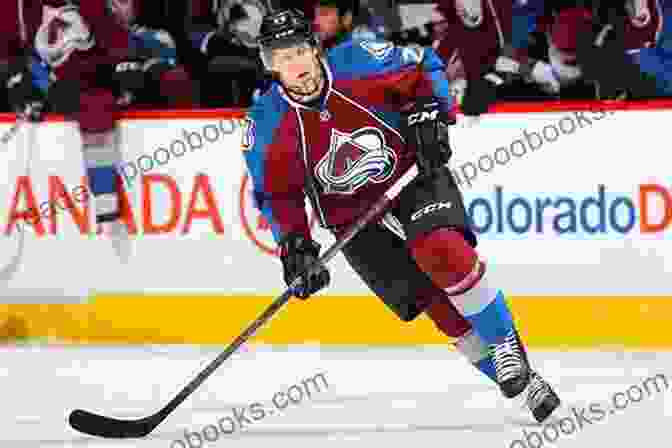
(222, 35)
(597, 45)
(333, 128)
(18, 24)
(336, 21)
(166, 82)
(69, 53)
(590, 48)
(477, 43)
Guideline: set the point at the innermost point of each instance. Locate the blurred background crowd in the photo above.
(202, 53)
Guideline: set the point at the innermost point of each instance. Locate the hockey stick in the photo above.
(10, 269)
(30, 113)
(7, 136)
(98, 425)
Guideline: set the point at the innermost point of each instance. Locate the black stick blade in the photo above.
(110, 428)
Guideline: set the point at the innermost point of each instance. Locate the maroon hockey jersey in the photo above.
(476, 31)
(73, 40)
(18, 23)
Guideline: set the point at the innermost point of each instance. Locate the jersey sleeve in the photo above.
(18, 23)
(270, 151)
(378, 68)
(524, 21)
(107, 43)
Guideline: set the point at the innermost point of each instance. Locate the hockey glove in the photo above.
(155, 68)
(480, 94)
(65, 96)
(532, 71)
(129, 78)
(298, 254)
(427, 129)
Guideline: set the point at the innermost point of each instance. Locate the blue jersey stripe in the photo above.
(435, 69)
(266, 116)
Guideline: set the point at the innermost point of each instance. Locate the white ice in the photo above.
(395, 397)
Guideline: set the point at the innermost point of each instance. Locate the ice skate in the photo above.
(118, 234)
(540, 398)
(510, 360)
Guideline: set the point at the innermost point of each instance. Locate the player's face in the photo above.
(327, 22)
(299, 70)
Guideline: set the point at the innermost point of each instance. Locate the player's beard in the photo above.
(308, 87)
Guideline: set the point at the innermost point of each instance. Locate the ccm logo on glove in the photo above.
(431, 208)
(128, 66)
(421, 117)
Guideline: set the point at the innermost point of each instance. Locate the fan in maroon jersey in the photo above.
(475, 41)
(594, 45)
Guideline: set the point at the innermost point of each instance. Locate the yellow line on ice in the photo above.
(545, 322)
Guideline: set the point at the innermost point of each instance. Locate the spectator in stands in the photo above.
(573, 52)
(474, 39)
(15, 42)
(166, 83)
(333, 21)
(336, 21)
(656, 61)
(223, 35)
(590, 47)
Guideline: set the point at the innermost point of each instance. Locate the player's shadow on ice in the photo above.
(175, 431)
(352, 430)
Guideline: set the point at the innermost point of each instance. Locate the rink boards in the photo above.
(572, 204)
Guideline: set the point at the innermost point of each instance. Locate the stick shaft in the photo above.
(94, 424)
(7, 136)
(374, 212)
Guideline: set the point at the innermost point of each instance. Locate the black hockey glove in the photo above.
(65, 96)
(155, 68)
(129, 77)
(25, 99)
(480, 94)
(427, 129)
(298, 254)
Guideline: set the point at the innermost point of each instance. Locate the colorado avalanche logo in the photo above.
(62, 32)
(377, 49)
(355, 159)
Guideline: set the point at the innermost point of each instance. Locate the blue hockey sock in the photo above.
(487, 368)
(100, 154)
(494, 321)
(472, 347)
(103, 187)
(487, 311)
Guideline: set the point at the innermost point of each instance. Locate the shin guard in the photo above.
(100, 152)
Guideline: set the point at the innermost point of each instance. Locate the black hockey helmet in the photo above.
(284, 28)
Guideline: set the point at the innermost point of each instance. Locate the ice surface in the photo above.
(425, 396)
